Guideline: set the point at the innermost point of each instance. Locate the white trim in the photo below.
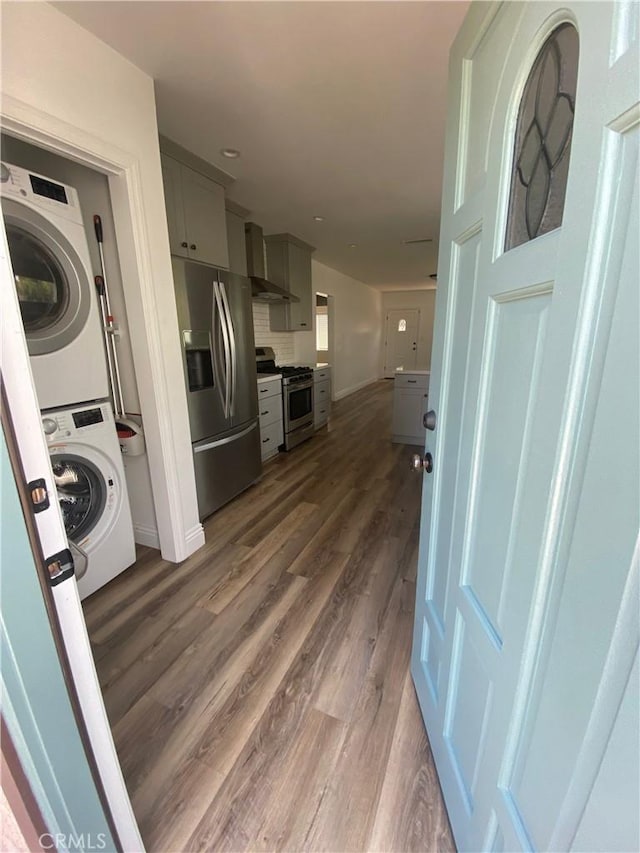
(148, 536)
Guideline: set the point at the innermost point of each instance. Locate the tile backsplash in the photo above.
(282, 342)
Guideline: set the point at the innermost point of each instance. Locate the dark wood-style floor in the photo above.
(259, 693)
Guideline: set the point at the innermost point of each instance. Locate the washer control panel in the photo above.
(64, 424)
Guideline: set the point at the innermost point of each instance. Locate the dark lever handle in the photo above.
(429, 420)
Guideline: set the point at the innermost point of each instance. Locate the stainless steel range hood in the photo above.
(262, 290)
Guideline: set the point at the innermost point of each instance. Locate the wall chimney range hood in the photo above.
(262, 290)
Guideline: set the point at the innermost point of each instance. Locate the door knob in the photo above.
(193, 246)
(418, 463)
(184, 245)
(429, 420)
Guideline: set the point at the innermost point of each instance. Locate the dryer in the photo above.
(55, 286)
(89, 476)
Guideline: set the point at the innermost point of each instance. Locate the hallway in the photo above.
(259, 693)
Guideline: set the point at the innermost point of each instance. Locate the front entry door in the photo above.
(526, 633)
(401, 340)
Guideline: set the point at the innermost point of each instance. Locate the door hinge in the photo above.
(59, 567)
(38, 495)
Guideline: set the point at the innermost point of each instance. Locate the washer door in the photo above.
(82, 493)
(51, 281)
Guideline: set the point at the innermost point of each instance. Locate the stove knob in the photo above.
(49, 425)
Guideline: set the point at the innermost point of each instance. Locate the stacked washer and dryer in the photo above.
(59, 306)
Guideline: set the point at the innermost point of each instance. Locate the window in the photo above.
(543, 140)
(402, 325)
(322, 332)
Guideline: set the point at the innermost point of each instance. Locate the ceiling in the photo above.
(337, 108)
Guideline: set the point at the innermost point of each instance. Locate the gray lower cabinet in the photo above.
(195, 214)
(410, 397)
(321, 396)
(270, 412)
(289, 265)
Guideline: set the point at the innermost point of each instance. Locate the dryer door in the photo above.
(51, 281)
(82, 493)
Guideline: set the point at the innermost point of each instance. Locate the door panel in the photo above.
(530, 517)
(401, 337)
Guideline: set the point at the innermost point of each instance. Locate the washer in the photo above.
(55, 286)
(89, 476)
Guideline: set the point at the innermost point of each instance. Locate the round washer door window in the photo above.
(51, 281)
(82, 493)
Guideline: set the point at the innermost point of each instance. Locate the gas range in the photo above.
(266, 363)
(297, 396)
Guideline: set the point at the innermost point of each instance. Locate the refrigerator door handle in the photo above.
(234, 355)
(216, 314)
(229, 439)
(227, 350)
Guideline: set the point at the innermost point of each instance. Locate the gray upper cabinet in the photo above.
(236, 242)
(289, 265)
(195, 214)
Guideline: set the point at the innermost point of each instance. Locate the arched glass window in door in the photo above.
(543, 140)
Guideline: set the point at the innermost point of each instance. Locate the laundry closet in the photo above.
(61, 257)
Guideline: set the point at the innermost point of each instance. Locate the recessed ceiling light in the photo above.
(352, 245)
(318, 218)
(231, 153)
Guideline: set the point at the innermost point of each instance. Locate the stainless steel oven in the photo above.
(297, 396)
(298, 409)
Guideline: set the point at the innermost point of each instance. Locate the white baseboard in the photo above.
(146, 536)
(193, 540)
(353, 388)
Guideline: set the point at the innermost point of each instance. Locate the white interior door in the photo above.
(401, 339)
(526, 632)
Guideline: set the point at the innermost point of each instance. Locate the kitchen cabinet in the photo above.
(321, 395)
(270, 413)
(410, 398)
(195, 214)
(289, 265)
(236, 245)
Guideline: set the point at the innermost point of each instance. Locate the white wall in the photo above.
(357, 312)
(65, 90)
(425, 301)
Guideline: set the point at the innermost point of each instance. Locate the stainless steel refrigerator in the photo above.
(216, 332)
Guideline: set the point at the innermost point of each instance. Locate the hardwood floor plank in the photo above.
(228, 730)
(194, 720)
(133, 682)
(348, 809)
(409, 816)
(181, 684)
(337, 692)
(231, 584)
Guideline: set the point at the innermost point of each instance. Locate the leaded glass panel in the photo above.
(543, 140)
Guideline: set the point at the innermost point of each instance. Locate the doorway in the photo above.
(324, 328)
(401, 340)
